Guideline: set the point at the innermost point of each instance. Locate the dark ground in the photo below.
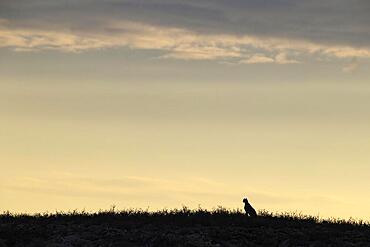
(178, 228)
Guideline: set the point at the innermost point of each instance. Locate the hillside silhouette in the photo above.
(179, 227)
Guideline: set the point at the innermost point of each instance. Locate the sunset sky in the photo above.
(163, 103)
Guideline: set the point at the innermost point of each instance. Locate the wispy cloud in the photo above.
(352, 66)
(175, 43)
(71, 185)
(257, 58)
(156, 193)
(282, 58)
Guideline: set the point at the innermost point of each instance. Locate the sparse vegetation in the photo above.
(179, 227)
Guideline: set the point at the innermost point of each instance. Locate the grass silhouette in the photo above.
(179, 227)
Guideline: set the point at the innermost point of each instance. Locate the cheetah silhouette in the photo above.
(249, 210)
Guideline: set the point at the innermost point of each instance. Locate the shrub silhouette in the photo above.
(179, 227)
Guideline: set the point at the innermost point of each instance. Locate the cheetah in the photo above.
(249, 210)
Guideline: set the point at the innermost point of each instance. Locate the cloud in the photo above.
(352, 66)
(282, 58)
(284, 31)
(330, 22)
(71, 185)
(173, 42)
(258, 59)
(338, 22)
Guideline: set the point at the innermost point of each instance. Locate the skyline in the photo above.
(167, 103)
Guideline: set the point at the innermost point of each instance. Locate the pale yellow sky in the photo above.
(287, 146)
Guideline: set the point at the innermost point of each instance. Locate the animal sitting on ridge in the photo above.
(249, 210)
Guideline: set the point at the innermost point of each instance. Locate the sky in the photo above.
(159, 104)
